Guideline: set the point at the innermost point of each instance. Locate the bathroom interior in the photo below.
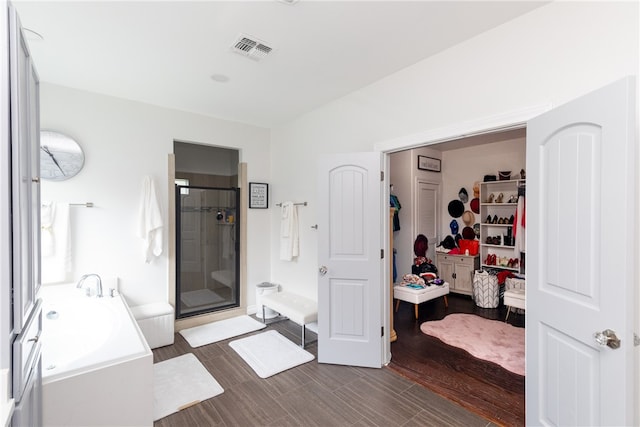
(125, 141)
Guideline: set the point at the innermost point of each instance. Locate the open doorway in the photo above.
(494, 392)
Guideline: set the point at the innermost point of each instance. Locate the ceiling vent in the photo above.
(251, 47)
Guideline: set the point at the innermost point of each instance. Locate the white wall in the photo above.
(549, 56)
(123, 141)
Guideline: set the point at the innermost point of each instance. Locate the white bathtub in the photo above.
(97, 369)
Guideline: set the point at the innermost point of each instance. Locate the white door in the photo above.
(580, 223)
(427, 214)
(350, 289)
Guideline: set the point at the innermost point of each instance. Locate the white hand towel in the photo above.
(289, 244)
(150, 221)
(56, 262)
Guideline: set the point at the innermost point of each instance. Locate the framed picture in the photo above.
(258, 195)
(428, 164)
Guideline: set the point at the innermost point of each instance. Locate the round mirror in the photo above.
(60, 156)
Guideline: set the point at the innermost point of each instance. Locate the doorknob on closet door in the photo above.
(607, 338)
(323, 270)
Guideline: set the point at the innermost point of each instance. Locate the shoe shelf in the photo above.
(498, 203)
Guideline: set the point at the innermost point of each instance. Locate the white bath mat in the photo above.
(179, 383)
(220, 330)
(200, 297)
(269, 353)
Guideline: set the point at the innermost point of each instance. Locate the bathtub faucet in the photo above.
(98, 284)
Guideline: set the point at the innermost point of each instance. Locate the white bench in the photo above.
(296, 308)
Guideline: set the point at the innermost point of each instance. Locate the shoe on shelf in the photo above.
(488, 221)
(490, 198)
(499, 198)
(495, 219)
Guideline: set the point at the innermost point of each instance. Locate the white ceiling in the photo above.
(164, 53)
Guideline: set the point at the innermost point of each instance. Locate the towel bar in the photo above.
(299, 204)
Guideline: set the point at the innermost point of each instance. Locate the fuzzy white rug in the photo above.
(491, 340)
(179, 383)
(220, 330)
(269, 353)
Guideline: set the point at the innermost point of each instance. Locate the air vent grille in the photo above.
(251, 47)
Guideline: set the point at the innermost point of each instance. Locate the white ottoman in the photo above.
(156, 322)
(514, 298)
(418, 296)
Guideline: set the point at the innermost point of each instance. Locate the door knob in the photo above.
(323, 270)
(608, 338)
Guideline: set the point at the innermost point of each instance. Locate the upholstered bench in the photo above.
(418, 296)
(156, 322)
(296, 308)
(514, 298)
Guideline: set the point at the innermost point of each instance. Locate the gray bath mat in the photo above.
(200, 297)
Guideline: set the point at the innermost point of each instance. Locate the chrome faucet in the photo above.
(98, 284)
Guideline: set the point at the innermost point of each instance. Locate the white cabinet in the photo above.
(498, 203)
(23, 144)
(458, 271)
(25, 171)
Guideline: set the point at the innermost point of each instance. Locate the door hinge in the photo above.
(381, 253)
(381, 175)
(636, 340)
(382, 331)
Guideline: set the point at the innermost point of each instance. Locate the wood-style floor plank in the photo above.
(480, 386)
(316, 394)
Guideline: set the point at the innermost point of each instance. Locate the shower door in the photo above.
(208, 260)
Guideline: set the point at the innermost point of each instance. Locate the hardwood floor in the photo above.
(316, 394)
(483, 387)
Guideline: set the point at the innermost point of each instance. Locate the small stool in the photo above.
(418, 296)
(514, 298)
(156, 322)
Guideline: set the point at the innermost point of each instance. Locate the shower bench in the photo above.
(296, 308)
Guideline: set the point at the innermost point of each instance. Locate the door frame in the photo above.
(516, 119)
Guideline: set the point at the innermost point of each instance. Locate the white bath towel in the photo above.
(289, 243)
(150, 221)
(47, 216)
(55, 242)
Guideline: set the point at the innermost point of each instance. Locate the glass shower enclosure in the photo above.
(207, 250)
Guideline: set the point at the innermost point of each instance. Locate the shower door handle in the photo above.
(323, 270)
